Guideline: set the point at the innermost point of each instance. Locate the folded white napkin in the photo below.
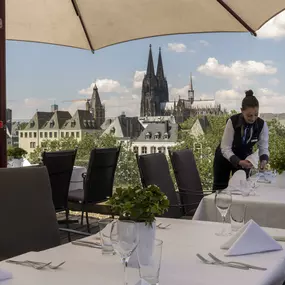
(251, 238)
(4, 275)
(254, 159)
(234, 182)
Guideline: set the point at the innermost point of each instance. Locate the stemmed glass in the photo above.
(124, 238)
(254, 175)
(223, 201)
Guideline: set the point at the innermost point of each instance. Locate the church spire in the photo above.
(96, 97)
(191, 90)
(159, 71)
(150, 66)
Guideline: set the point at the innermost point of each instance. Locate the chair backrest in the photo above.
(187, 177)
(28, 219)
(154, 170)
(60, 166)
(99, 180)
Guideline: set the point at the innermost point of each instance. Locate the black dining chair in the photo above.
(98, 181)
(154, 170)
(28, 220)
(188, 179)
(60, 166)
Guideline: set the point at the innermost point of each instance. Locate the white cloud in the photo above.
(138, 78)
(104, 86)
(177, 47)
(182, 92)
(204, 43)
(239, 73)
(274, 28)
(273, 81)
(269, 100)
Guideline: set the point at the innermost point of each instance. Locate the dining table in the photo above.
(265, 205)
(182, 241)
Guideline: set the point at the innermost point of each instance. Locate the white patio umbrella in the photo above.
(94, 24)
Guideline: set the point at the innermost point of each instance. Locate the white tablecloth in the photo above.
(267, 207)
(76, 181)
(180, 266)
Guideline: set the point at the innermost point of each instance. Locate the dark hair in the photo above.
(249, 101)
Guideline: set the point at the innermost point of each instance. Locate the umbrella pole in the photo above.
(3, 141)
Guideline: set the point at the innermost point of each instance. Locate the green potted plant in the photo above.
(16, 155)
(141, 205)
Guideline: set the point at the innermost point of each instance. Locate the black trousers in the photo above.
(222, 171)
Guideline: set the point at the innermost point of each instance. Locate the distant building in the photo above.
(123, 128)
(200, 127)
(60, 124)
(157, 137)
(155, 96)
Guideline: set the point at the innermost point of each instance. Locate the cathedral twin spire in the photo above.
(150, 65)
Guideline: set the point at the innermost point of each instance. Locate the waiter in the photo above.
(242, 132)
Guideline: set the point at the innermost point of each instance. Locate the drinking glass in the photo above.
(150, 265)
(237, 216)
(245, 188)
(124, 238)
(105, 226)
(254, 175)
(223, 201)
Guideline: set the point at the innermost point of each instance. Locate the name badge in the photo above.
(254, 140)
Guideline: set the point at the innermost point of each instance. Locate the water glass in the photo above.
(150, 266)
(124, 237)
(105, 226)
(237, 216)
(223, 201)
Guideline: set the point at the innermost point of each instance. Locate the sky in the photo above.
(223, 65)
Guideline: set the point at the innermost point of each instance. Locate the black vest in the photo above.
(240, 148)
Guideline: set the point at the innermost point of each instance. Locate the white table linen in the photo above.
(180, 266)
(267, 207)
(76, 181)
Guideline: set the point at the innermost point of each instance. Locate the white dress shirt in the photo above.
(228, 137)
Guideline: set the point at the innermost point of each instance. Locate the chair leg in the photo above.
(87, 222)
(82, 214)
(67, 223)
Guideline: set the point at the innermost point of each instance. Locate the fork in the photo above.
(37, 266)
(235, 262)
(50, 266)
(204, 260)
(160, 226)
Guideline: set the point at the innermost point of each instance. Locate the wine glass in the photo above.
(254, 175)
(223, 201)
(125, 239)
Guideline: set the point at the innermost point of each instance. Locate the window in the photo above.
(144, 150)
(148, 136)
(73, 123)
(32, 144)
(30, 135)
(72, 134)
(77, 134)
(62, 134)
(135, 149)
(50, 134)
(21, 135)
(157, 136)
(153, 149)
(55, 134)
(35, 134)
(67, 134)
(41, 135)
(161, 149)
(46, 134)
(51, 124)
(26, 135)
(17, 133)
(166, 136)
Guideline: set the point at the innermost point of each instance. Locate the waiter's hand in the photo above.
(263, 164)
(245, 164)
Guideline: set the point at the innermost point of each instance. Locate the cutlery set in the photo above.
(233, 264)
(161, 226)
(35, 264)
(87, 244)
